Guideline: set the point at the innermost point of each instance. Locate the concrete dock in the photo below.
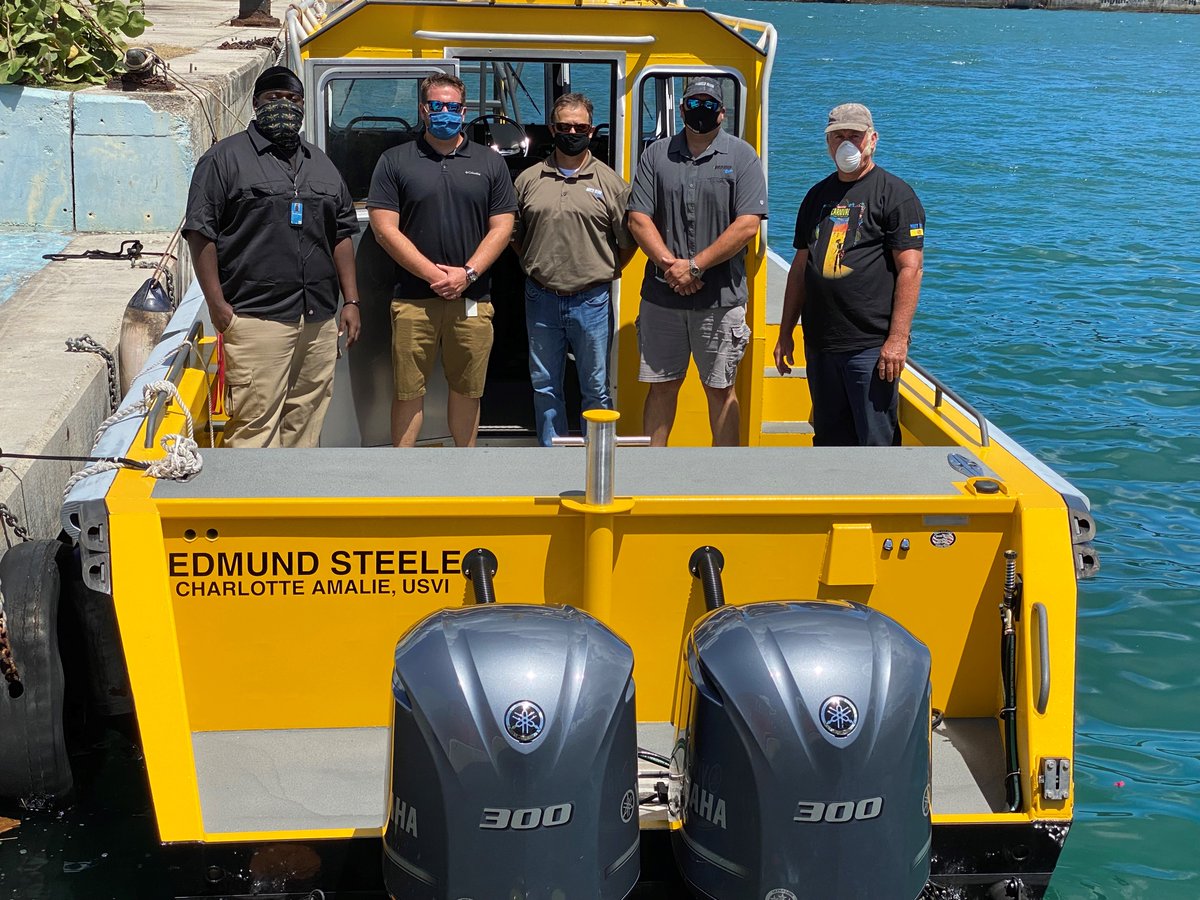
(108, 166)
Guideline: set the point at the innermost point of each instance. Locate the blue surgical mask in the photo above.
(445, 124)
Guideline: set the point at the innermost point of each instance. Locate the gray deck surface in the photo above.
(291, 780)
(540, 472)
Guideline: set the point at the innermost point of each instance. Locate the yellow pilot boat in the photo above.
(749, 604)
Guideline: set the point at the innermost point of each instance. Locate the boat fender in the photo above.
(145, 317)
(33, 747)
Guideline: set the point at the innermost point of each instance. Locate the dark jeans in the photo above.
(852, 405)
(581, 323)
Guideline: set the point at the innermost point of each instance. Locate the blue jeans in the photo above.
(580, 322)
(852, 405)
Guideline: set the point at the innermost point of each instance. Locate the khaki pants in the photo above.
(278, 381)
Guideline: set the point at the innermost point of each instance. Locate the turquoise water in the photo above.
(1055, 156)
(21, 256)
(1054, 152)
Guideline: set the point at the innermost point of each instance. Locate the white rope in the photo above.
(182, 459)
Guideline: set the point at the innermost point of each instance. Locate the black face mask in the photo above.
(572, 144)
(279, 121)
(701, 120)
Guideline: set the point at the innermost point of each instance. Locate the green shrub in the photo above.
(65, 41)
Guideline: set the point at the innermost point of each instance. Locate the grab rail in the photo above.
(158, 408)
(940, 389)
(1043, 657)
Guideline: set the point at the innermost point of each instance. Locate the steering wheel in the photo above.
(407, 126)
(519, 141)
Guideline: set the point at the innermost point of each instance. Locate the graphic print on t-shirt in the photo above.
(843, 233)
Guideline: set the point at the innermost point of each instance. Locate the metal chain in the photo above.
(8, 665)
(9, 520)
(88, 344)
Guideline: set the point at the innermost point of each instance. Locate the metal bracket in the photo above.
(94, 554)
(1055, 778)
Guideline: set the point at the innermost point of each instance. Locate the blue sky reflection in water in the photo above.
(1054, 153)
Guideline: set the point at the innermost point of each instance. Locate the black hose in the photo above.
(706, 564)
(478, 566)
(1008, 662)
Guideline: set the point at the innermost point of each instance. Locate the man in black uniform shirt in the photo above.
(443, 208)
(856, 278)
(270, 224)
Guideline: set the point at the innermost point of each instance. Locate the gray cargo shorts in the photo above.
(667, 338)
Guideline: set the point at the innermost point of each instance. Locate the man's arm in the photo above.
(909, 268)
(499, 235)
(793, 306)
(386, 225)
(349, 321)
(204, 262)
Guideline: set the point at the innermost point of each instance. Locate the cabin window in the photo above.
(509, 102)
(659, 99)
(365, 116)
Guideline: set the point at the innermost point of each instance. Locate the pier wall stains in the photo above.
(35, 157)
(97, 160)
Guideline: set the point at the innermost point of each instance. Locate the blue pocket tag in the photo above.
(297, 213)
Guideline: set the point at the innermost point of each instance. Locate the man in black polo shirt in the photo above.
(269, 224)
(443, 209)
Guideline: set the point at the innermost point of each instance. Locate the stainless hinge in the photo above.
(1055, 778)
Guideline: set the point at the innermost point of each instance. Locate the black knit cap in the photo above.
(278, 78)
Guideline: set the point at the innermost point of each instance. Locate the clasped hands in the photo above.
(678, 275)
(452, 283)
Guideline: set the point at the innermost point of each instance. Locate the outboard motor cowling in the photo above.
(802, 765)
(514, 758)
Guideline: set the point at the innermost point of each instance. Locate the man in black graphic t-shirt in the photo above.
(859, 242)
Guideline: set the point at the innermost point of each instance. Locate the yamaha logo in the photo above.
(525, 721)
(628, 805)
(839, 716)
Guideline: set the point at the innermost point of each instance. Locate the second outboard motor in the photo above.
(802, 767)
(514, 758)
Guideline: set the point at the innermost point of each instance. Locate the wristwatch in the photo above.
(693, 269)
(472, 275)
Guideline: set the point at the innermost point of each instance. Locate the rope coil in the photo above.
(182, 459)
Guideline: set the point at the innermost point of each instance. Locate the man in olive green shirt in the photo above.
(572, 241)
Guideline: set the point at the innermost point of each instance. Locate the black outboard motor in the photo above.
(802, 768)
(514, 758)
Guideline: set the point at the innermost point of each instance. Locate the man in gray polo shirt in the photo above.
(698, 199)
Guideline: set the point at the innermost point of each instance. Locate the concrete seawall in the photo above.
(109, 165)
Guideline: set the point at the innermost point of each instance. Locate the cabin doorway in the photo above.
(365, 107)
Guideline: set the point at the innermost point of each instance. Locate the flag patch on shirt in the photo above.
(916, 230)
(595, 192)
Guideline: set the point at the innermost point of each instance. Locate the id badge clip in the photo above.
(297, 216)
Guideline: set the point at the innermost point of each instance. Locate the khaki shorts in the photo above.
(668, 338)
(420, 327)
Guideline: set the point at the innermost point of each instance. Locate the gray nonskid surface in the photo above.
(330, 473)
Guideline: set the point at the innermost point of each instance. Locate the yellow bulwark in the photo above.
(260, 603)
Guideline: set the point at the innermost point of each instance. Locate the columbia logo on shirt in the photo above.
(469, 172)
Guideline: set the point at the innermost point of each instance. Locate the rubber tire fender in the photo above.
(33, 747)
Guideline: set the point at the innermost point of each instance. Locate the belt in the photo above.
(584, 289)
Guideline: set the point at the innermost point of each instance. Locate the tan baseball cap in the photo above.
(850, 117)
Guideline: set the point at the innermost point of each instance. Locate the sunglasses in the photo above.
(571, 127)
(695, 103)
(452, 106)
